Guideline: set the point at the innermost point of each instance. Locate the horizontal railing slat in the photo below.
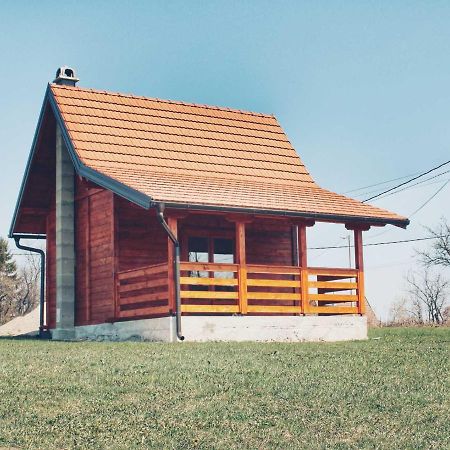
(281, 270)
(272, 296)
(208, 267)
(210, 308)
(209, 281)
(274, 309)
(334, 297)
(210, 295)
(333, 309)
(331, 271)
(272, 283)
(331, 285)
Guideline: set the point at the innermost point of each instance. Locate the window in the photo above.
(198, 251)
(211, 250)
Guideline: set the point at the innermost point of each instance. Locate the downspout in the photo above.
(42, 331)
(176, 269)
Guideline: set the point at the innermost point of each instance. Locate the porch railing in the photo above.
(211, 288)
(142, 292)
(260, 289)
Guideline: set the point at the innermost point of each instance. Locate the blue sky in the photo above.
(361, 88)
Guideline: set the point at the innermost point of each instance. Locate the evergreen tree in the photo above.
(8, 266)
(8, 282)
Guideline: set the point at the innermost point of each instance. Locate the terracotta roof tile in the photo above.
(185, 153)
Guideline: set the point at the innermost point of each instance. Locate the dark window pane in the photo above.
(223, 246)
(198, 245)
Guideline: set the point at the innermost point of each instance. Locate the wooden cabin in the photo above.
(166, 220)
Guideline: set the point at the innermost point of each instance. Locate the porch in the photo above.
(236, 287)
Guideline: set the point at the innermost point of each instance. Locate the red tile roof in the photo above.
(182, 153)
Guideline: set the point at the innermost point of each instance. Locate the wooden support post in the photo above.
(359, 264)
(173, 225)
(303, 263)
(241, 260)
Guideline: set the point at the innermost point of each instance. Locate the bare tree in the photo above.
(8, 291)
(19, 287)
(428, 292)
(439, 253)
(28, 286)
(399, 312)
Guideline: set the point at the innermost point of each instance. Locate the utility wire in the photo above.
(412, 187)
(407, 187)
(381, 183)
(378, 243)
(429, 200)
(407, 182)
(420, 207)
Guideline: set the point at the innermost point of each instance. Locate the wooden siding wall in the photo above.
(38, 196)
(205, 224)
(269, 243)
(111, 234)
(141, 240)
(94, 240)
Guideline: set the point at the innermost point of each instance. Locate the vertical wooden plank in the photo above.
(303, 263)
(359, 264)
(302, 250)
(87, 267)
(241, 259)
(116, 256)
(294, 243)
(173, 225)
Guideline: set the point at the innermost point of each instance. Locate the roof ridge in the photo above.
(173, 102)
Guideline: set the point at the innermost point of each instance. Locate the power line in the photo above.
(420, 207)
(429, 200)
(407, 182)
(378, 243)
(380, 183)
(408, 187)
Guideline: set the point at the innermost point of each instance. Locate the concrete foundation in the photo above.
(232, 328)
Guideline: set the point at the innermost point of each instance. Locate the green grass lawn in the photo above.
(391, 391)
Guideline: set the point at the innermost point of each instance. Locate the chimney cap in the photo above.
(66, 76)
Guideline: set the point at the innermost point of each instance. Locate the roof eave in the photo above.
(339, 218)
